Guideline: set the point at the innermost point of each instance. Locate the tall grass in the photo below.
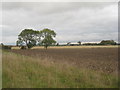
(26, 72)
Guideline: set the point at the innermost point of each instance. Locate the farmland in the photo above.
(91, 67)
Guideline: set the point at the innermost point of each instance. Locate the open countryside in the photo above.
(59, 45)
(38, 61)
(61, 67)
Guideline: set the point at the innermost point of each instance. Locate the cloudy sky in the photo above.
(72, 21)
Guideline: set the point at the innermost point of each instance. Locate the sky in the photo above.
(72, 21)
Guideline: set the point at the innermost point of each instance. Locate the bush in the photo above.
(108, 42)
(23, 47)
(90, 44)
(6, 47)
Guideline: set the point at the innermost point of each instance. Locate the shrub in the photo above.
(23, 47)
(108, 42)
(6, 47)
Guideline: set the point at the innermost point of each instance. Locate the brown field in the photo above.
(98, 59)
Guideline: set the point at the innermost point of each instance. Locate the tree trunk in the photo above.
(46, 47)
(26, 44)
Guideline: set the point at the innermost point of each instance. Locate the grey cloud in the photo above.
(71, 21)
(52, 7)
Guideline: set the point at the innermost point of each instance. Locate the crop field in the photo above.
(64, 47)
(61, 68)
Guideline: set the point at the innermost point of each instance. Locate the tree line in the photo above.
(103, 42)
(29, 38)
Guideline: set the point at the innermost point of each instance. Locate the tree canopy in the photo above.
(48, 36)
(79, 42)
(27, 37)
(108, 42)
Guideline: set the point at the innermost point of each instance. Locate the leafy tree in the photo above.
(19, 43)
(27, 37)
(79, 42)
(57, 44)
(47, 37)
(107, 42)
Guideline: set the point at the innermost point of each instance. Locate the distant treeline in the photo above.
(103, 42)
(2, 46)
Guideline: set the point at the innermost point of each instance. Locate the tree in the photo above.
(38, 36)
(27, 37)
(57, 44)
(47, 37)
(79, 42)
(107, 42)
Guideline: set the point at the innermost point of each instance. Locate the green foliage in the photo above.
(90, 44)
(19, 43)
(108, 42)
(79, 42)
(47, 37)
(57, 44)
(6, 47)
(32, 38)
(2, 46)
(23, 47)
(27, 37)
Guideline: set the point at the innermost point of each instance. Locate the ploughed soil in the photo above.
(98, 59)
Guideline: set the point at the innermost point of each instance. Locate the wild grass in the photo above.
(21, 71)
